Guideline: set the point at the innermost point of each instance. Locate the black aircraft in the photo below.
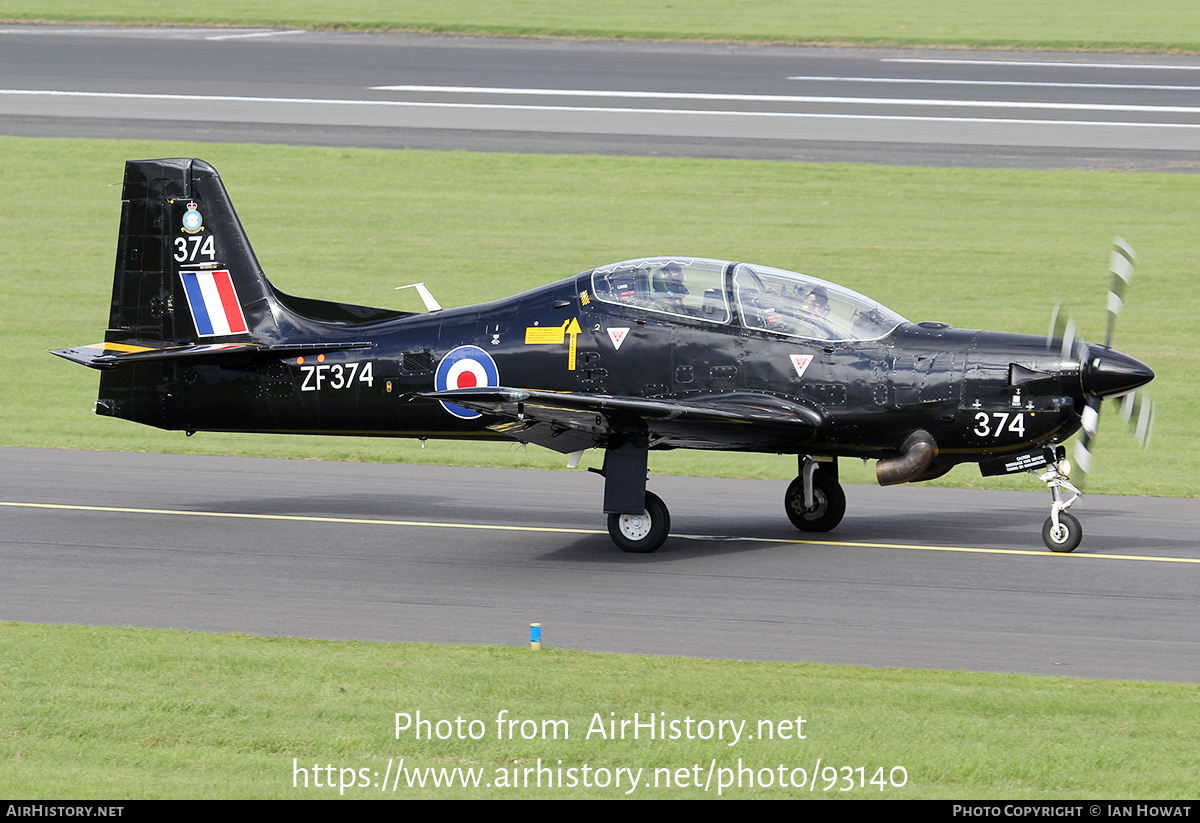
(657, 353)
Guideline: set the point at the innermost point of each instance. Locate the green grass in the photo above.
(138, 713)
(1159, 25)
(976, 248)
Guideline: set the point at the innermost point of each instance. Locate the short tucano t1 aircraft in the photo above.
(658, 353)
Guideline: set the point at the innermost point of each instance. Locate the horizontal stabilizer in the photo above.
(113, 355)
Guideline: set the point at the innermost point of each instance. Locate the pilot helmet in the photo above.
(670, 280)
(817, 301)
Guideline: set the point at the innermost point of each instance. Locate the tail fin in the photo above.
(185, 272)
(188, 291)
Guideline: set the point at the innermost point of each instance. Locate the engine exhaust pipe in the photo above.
(919, 451)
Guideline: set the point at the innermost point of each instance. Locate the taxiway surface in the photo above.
(914, 577)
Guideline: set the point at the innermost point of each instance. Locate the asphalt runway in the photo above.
(914, 577)
(945, 108)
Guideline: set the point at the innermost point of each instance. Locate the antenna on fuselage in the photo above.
(427, 298)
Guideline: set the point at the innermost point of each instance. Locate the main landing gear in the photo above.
(638, 520)
(814, 501)
(641, 533)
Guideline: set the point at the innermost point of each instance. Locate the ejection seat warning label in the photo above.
(600, 752)
(556, 336)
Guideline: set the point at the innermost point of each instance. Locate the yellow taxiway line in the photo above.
(560, 530)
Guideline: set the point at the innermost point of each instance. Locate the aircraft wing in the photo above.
(568, 422)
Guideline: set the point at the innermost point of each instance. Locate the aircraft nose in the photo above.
(1109, 373)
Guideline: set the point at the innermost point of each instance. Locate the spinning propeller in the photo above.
(1104, 372)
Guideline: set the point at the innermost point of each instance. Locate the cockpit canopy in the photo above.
(772, 300)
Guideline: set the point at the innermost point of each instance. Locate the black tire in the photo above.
(1069, 533)
(641, 533)
(829, 504)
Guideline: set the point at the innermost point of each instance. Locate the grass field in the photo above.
(975, 248)
(1158, 25)
(137, 713)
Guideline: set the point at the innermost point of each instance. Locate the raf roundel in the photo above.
(467, 367)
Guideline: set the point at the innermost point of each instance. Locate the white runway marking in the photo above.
(1040, 63)
(790, 98)
(1019, 83)
(253, 34)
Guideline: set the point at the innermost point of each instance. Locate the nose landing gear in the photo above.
(1061, 532)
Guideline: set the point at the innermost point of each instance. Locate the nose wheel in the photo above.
(1063, 536)
(641, 533)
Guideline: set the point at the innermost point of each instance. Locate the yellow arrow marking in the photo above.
(573, 330)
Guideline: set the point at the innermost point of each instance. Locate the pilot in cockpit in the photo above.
(816, 302)
(669, 286)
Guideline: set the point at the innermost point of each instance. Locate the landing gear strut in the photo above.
(815, 502)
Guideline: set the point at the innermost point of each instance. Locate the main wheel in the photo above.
(1066, 537)
(641, 533)
(829, 504)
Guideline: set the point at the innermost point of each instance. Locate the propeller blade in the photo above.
(1090, 421)
(1068, 338)
(1054, 333)
(1062, 329)
(1128, 405)
(1137, 410)
(1123, 257)
(1145, 426)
